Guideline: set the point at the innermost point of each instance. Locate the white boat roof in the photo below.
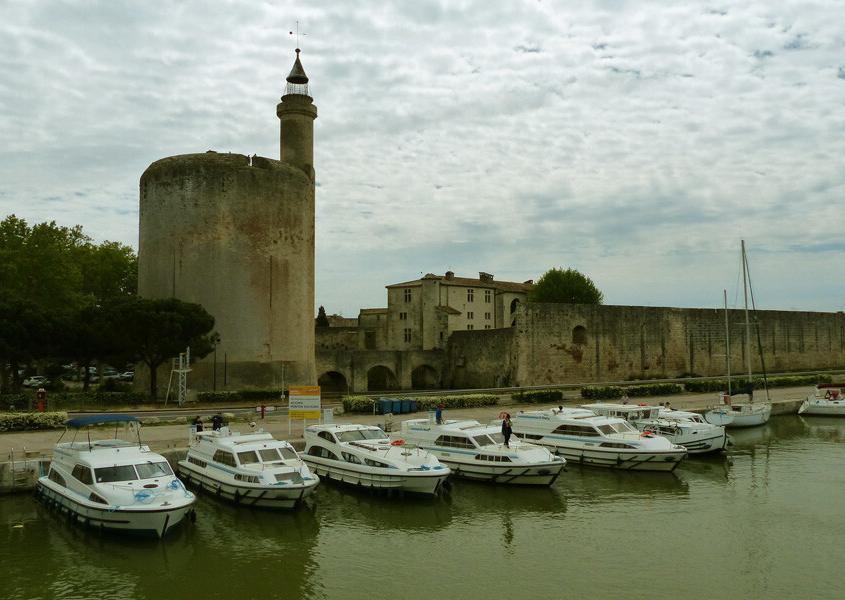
(102, 453)
(468, 426)
(238, 442)
(338, 428)
(604, 406)
(582, 415)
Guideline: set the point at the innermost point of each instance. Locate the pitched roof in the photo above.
(504, 286)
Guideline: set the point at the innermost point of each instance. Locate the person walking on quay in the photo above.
(507, 429)
(438, 414)
(198, 423)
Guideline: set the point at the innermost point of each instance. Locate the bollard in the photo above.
(41, 399)
(263, 408)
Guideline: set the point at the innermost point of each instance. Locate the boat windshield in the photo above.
(151, 470)
(248, 457)
(621, 427)
(117, 473)
(373, 434)
(483, 440)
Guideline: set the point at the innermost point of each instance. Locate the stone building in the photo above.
(236, 234)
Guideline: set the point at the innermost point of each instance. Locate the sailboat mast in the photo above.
(727, 341)
(747, 322)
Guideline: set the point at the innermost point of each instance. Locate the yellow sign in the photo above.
(304, 402)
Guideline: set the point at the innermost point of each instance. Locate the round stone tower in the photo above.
(236, 234)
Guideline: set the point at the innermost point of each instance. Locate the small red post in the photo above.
(262, 411)
(41, 399)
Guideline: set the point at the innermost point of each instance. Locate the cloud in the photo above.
(636, 141)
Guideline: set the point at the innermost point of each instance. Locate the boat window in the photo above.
(625, 427)
(83, 474)
(95, 498)
(350, 436)
(293, 477)
(116, 473)
(579, 430)
(150, 470)
(288, 454)
(616, 445)
(483, 440)
(607, 429)
(269, 455)
(224, 458)
(454, 441)
(247, 478)
(326, 436)
(374, 434)
(497, 437)
(374, 463)
(322, 452)
(351, 458)
(197, 462)
(250, 457)
(56, 477)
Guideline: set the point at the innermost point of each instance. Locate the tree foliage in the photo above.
(322, 320)
(158, 329)
(565, 286)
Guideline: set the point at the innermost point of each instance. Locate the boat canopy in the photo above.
(99, 419)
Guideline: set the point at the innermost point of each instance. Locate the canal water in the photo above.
(765, 521)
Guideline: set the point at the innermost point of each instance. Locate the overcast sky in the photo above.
(638, 142)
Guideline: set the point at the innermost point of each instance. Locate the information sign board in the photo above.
(304, 402)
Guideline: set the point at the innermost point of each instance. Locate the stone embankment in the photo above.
(30, 451)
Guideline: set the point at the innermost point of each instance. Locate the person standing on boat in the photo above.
(198, 423)
(507, 429)
(438, 414)
(217, 422)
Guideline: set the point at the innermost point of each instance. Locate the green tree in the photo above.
(322, 319)
(565, 286)
(157, 330)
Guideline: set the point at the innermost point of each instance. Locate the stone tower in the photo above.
(236, 234)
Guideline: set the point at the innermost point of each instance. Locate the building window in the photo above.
(487, 316)
(487, 326)
(470, 315)
(488, 296)
(441, 336)
(403, 316)
(407, 335)
(579, 335)
(407, 295)
(470, 326)
(470, 294)
(370, 340)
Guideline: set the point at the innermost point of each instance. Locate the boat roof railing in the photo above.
(99, 419)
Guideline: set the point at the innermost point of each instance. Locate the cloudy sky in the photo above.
(638, 142)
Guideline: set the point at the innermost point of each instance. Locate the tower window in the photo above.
(470, 327)
(403, 316)
(487, 316)
(487, 326)
(488, 296)
(579, 335)
(470, 315)
(470, 294)
(407, 295)
(407, 335)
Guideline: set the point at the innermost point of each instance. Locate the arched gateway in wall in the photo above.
(332, 382)
(381, 378)
(424, 377)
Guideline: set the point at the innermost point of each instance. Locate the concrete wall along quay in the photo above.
(235, 234)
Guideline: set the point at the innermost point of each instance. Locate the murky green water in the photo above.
(768, 521)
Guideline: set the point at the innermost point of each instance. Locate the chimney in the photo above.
(486, 277)
(449, 275)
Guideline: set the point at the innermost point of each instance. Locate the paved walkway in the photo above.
(163, 437)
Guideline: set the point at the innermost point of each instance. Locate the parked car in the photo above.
(109, 373)
(127, 376)
(36, 381)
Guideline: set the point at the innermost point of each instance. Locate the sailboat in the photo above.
(751, 413)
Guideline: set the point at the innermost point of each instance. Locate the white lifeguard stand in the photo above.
(180, 367)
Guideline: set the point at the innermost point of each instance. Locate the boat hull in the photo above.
(633, 460)
(827, 408)
(543, 474)
(255, 495)
(750, 416)
(719, 416)
(702, 445)
(418, 482)
(155, 522)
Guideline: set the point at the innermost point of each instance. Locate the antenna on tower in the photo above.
(297, 34)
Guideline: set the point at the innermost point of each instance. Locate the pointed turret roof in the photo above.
(297, 73)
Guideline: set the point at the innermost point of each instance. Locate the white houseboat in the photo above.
(114, 484)
(254, 469)
(364, 455)
(477, 451)
(587, 439)
(827, 400)
(687, 429)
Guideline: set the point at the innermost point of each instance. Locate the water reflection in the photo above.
(712, 467)
(607, 485)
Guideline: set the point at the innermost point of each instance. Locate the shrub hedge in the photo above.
(721, 385)
(634, 391)
(537, 396)
(32, 421)
(424, 403)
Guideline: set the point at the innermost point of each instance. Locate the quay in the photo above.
(26, 455)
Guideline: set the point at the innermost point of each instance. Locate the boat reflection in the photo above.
(602, 486)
